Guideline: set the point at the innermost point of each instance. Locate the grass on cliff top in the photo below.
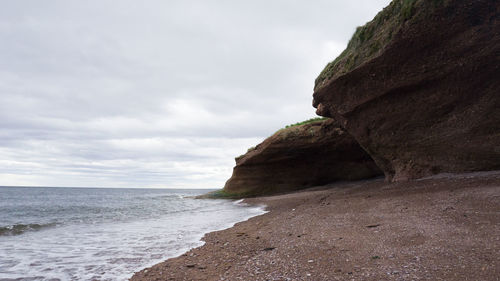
(308, 121)
(312, 120)
(370, 39)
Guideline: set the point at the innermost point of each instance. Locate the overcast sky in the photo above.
(157, 93)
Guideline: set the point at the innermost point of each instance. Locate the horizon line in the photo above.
(36, 186)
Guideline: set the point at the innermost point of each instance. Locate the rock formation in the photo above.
(300, 156)
(419, 87)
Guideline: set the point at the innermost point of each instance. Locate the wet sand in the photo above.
(441, 228)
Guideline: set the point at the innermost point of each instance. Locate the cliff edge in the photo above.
(298, 157)
(418, 87)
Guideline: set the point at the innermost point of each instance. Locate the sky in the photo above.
(156, 93)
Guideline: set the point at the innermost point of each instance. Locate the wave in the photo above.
(18, 229)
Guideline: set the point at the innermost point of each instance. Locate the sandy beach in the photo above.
(442, 228)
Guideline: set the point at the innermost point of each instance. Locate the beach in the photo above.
(446, 227)
(106, 234)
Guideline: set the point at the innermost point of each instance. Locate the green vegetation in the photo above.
(289, 133)
(312, 120)
(223, 194)
(218, 194)
(370, 40)
(407, 9)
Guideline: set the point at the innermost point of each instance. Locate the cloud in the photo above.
(156, 93)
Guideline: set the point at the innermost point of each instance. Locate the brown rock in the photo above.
(420, 91)
(298, 157)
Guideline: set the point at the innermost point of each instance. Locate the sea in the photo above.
(53, 233)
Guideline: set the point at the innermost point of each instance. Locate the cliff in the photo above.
(298, 157)
(418, 87)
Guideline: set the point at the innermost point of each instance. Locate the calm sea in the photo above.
(53, 234)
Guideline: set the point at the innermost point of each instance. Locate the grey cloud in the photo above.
(156, 93)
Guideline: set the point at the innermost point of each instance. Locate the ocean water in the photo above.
(103, 234)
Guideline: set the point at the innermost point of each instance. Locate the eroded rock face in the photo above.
(300, 157)
(428, 100)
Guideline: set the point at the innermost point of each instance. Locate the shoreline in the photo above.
(442, 228)
(252, 209)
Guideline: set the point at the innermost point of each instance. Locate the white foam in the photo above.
(114, 251)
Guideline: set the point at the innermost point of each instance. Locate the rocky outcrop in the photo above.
(298, 157)
(419, 87)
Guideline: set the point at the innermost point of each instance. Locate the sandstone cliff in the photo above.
(298, 157)
(419, 87)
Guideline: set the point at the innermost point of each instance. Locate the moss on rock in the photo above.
(370, 39)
